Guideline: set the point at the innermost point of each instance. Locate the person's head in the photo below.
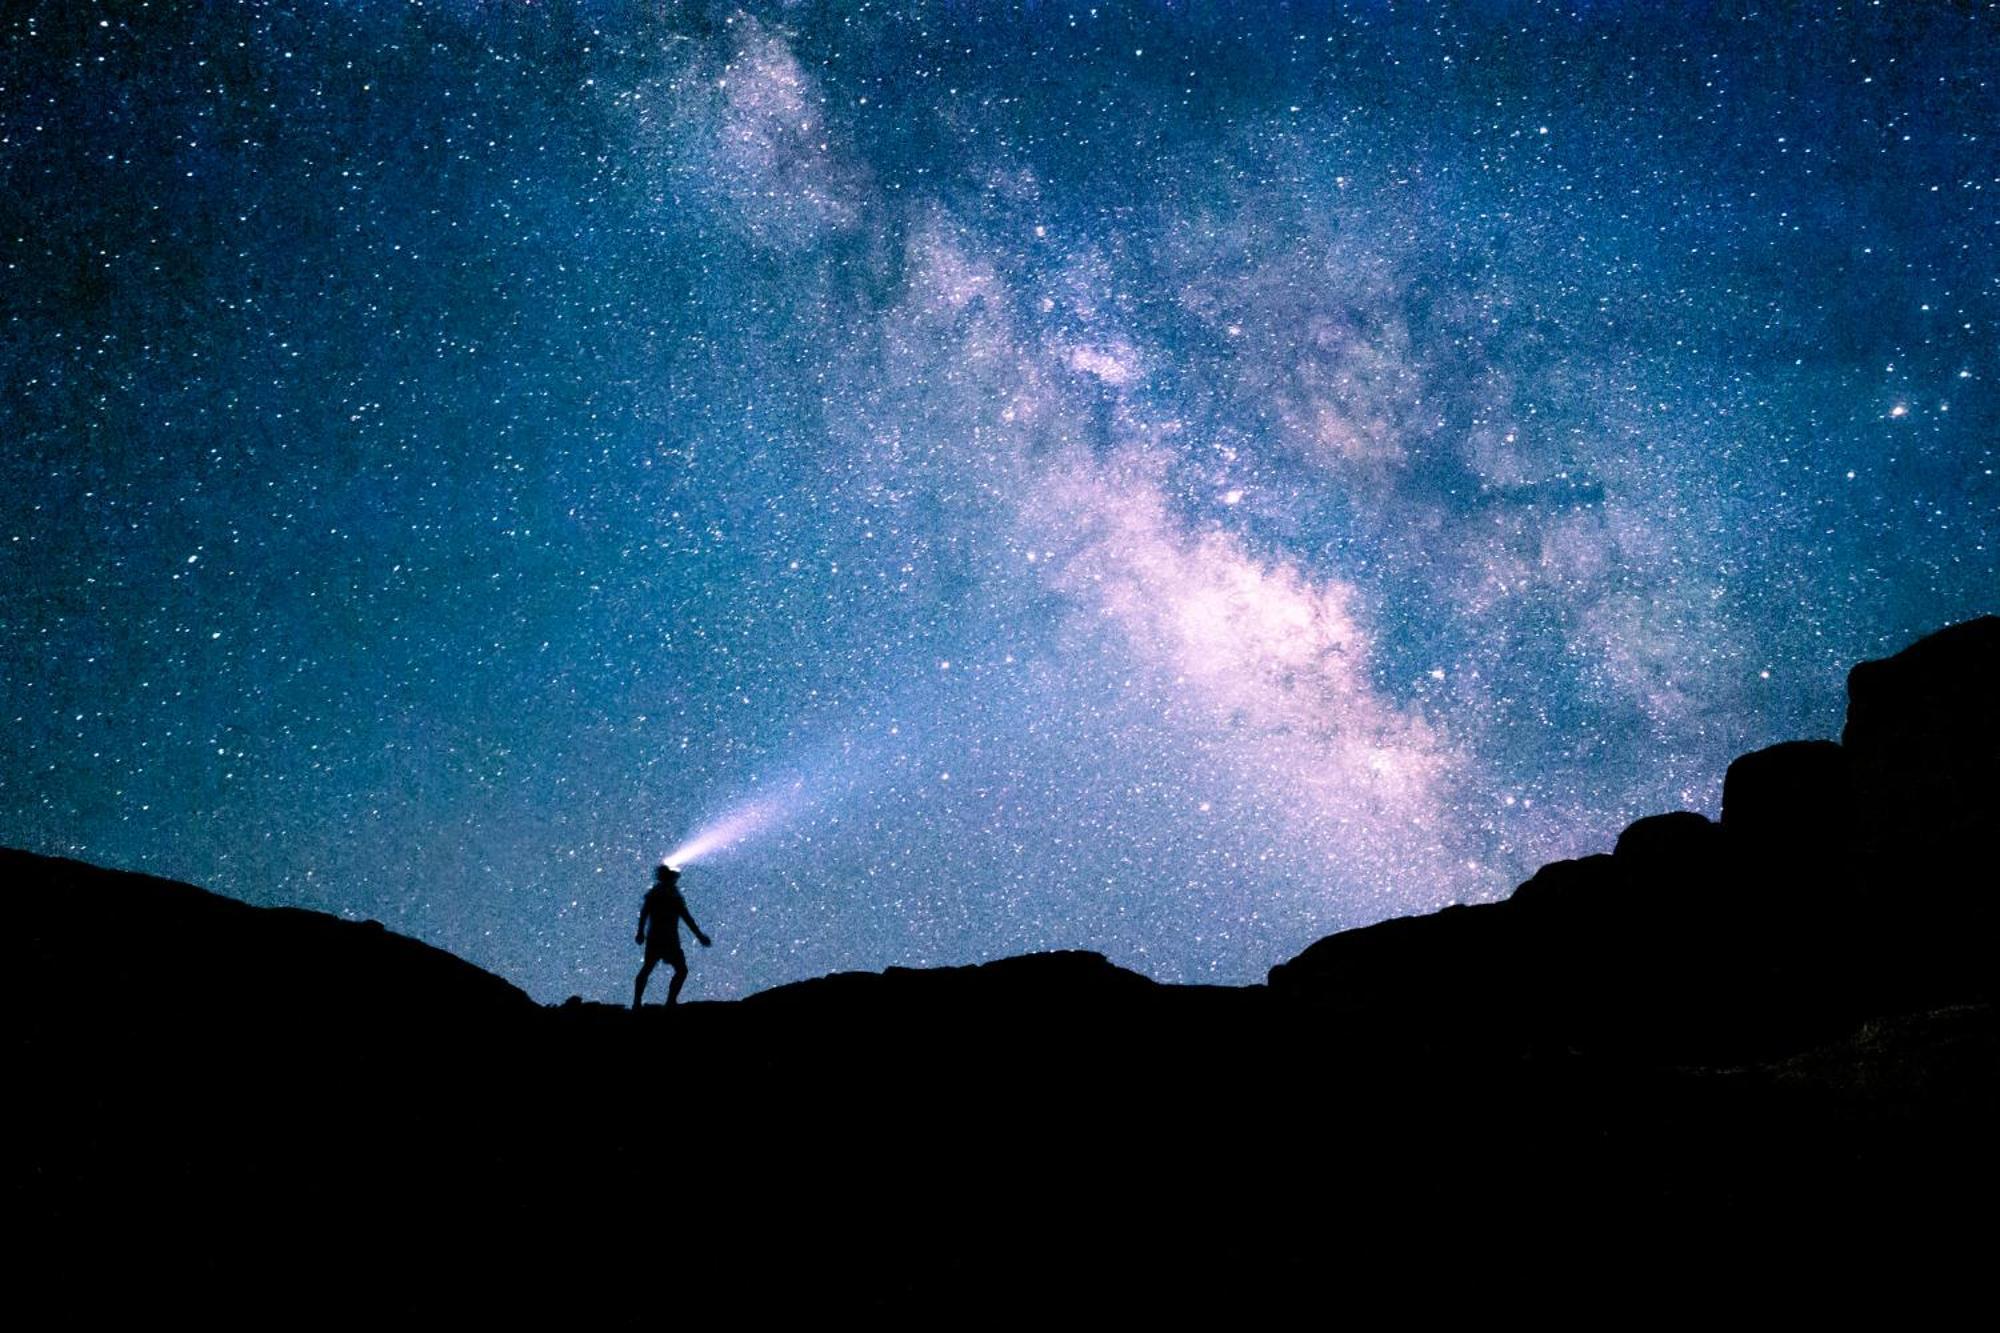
(668, 877)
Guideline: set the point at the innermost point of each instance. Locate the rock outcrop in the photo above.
(1845, 879)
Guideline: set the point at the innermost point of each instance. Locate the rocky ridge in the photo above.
(1777, 1025)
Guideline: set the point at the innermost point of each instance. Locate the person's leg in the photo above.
(674, 986)
(639, 984)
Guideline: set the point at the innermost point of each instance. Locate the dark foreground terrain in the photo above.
(1747, 1065)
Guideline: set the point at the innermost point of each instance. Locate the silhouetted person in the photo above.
(664, 910)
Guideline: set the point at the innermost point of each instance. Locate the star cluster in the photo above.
(1164, 479)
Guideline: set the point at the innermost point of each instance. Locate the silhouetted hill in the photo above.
(1762, 1046)
(125, 948)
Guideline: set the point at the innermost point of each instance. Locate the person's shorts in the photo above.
(666, 951)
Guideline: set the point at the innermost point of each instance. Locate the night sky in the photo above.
(1175, 480)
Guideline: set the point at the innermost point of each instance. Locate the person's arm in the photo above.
(645, 910)
(688, 917)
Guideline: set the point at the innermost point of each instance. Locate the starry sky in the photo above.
(1168, 479)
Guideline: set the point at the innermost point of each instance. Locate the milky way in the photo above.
(1169, 480)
